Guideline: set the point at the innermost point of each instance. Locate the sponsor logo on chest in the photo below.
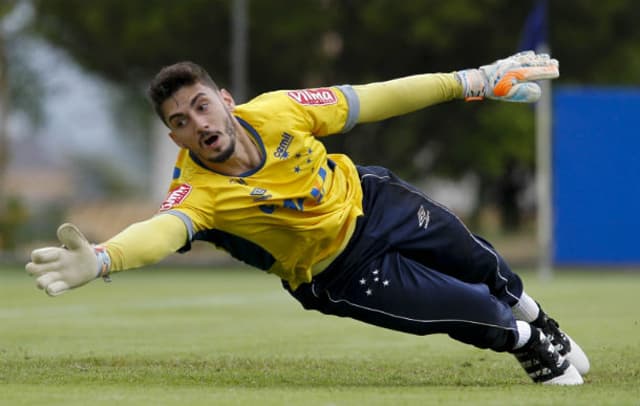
(314, 97)
(176, 196)
(282, 152)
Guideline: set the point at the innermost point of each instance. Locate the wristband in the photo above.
(104, 263)
(474, 84)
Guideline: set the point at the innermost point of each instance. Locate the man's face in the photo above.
(200, 120)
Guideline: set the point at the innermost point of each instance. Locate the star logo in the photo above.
(377, 271)
(385, 282)
(369, 292)
(363, 281)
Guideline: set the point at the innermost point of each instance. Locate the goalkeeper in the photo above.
(345, 240)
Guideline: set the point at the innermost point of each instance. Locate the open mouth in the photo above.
(210, 139)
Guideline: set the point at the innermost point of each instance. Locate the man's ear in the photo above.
(227, 99)
(175, 139)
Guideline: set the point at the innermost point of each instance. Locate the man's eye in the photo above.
(180, 123)
(204, 106)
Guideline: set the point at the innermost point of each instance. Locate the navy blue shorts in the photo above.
(413, 266)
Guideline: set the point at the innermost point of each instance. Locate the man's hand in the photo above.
(74, 264)
(509, 79)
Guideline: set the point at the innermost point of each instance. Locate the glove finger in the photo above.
(44, 255)
(533, 58)
(35, 269)
(528, 54)
(71, 237)
(540, 72)
(57, 288)
(519, 58)
(47, 279)
(524, 93)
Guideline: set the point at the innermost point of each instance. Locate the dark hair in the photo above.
(173, 77)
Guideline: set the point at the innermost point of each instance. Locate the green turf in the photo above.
(233, 337)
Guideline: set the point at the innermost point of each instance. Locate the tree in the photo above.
(4, 138)
(5, 8)
(5, 229)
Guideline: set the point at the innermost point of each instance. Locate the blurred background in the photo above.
(79, 141)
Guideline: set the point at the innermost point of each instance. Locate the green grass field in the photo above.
(234, 337)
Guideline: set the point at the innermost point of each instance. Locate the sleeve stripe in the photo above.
(354, 107)
(185, 219)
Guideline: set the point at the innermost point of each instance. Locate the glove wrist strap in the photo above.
(474, 84)
(104, 263)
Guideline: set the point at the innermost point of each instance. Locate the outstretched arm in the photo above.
(382, 100)
(147, 242)
(510, 79)
(78, 262)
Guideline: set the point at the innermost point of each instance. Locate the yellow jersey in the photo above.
(297, 209)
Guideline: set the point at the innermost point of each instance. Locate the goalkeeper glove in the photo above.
(76, 263)
(509, 79)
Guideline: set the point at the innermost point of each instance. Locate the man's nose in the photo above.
(201, 124)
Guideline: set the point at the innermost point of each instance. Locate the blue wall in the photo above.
(596, 176)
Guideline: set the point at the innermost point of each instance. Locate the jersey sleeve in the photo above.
(320, 111)
(382, 100)
(191, 203)
(145, 242)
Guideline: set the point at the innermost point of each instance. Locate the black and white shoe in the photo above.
(544, 364)
(563, 343)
